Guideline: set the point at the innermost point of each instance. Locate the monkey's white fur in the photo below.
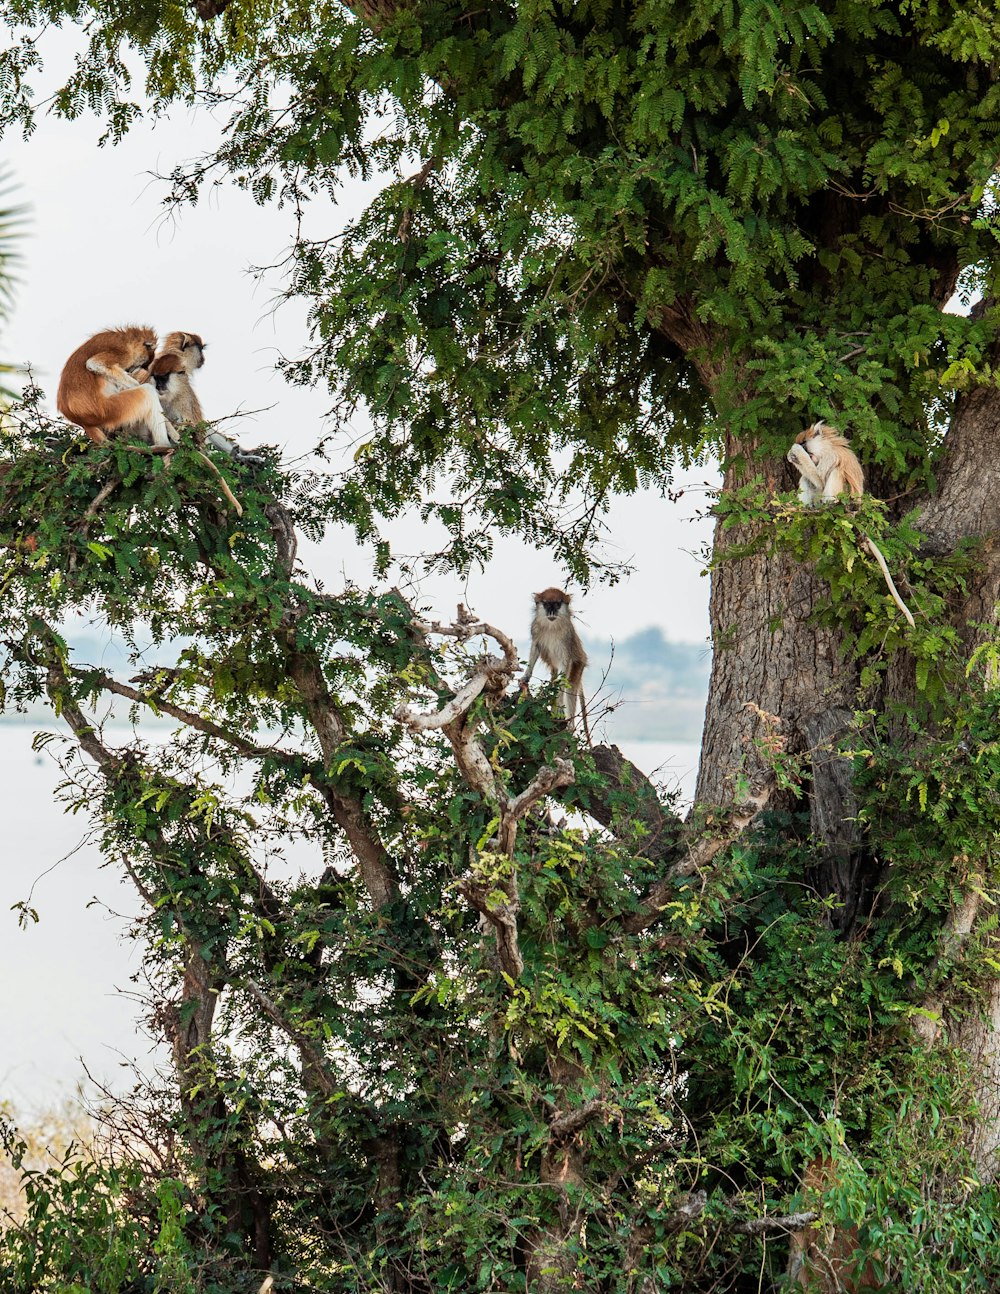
(827, 468)
(827, 465)
(554, 638)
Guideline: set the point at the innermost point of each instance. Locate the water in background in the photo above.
(68, 999)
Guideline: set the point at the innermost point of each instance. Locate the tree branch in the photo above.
(700, 853)
(110, 684)
(567, 1125)
(313, 1063)
(785, 1224)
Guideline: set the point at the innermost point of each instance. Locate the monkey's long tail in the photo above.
(167, 449)
(873, 549)
(228, 492)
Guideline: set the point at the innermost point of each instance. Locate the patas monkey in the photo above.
(181, 354)
(828, 467)
(100, 390)
(554, 638)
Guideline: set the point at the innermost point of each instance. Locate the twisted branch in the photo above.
(491, 676)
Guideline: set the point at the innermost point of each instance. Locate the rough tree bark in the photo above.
(770, 658)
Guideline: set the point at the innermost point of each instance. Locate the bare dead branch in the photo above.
(785, 1224)
(548, 780)
(453, 709)
(502, 916)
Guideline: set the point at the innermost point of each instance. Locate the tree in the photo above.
(629, 235)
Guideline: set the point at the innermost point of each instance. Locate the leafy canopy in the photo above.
(629, 234)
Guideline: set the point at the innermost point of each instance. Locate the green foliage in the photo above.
(84, 1230)
(631, 235)
(722, 1048)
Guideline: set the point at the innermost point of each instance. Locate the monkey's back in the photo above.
(81, 396)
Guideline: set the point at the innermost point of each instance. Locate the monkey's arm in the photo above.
(800, 460)
(113, 371)
(236, 452)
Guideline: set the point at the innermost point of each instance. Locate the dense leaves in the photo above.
(627, 234)
(477, 1046)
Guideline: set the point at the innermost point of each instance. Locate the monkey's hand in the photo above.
(522, 685)
(247, 456)
(796, 454)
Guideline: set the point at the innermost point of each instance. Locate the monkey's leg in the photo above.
(139, 407)
(532, 662)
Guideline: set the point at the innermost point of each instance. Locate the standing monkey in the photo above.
(827, 468)
(181, 355)
(554, 638)
(100, 391)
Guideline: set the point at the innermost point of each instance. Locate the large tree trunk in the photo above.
(770, 660)
(779, 683)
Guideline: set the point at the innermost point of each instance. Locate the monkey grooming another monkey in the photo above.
(827, 468)
(554, 638)
(180, 355)
(100, 392)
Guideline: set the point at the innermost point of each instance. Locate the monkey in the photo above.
(180, 355)
(554, 638)
(828, 467)
(99, 388)
(826, 463)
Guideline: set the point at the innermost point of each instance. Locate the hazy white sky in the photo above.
(100, 252)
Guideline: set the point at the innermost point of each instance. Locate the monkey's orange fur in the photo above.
(99, 388)
(837, 462)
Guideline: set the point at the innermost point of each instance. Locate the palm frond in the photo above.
(13, 223)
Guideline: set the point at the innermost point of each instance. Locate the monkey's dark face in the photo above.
(552, 609)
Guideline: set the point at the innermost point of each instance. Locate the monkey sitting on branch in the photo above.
(104, 388)
(101, 388)
(827, 468)
(554, 638)
(181, 354)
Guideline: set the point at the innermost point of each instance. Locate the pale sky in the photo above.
(100, 252)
